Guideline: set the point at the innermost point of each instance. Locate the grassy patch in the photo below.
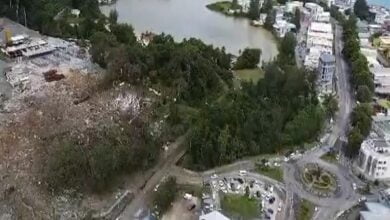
(384, 103)
(242, 206)
(305, 210)
(275, 173)
(253, 75)
(330, 157)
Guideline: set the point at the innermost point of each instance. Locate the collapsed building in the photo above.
(24, 46)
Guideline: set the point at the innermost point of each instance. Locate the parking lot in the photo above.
(237, 183)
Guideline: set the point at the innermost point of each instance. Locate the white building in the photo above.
(214, 215)
(282, 27)
(323, 17)
(375, 211)
(381, 14)
(374, 156)
(326, 69)
(381, 80)
(314, 9)
(292, 6)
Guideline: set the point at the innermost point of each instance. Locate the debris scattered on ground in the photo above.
(52, 75)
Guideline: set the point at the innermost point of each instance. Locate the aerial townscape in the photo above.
(194, 110)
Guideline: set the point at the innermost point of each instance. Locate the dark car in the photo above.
(270, 211)
(271, 200)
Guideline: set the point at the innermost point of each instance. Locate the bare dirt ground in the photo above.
(179, 210)
(38, 112)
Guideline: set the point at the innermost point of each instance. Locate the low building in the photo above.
(384, 42)
(282, 27)
(375, 211)
(314, 9)
(214, 215)
(292, 6)
(374, 155)
(323, 17)
(381, 80)
(375, 28)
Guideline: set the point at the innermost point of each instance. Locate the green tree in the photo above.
(113, 16)
(364, 94)
(355, 139)
(267, 6)
(254, 9)
(235, 4)
(361, 9)
(124, 33)
(270, 19)
(331, 105)
(101, 46)
(297, 19)
(248, 59)
(67, 165)
(287, 46)
(165, 195)
(282, 2)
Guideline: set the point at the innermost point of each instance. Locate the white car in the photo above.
(354, 187)
(214, 176)
(243, 172)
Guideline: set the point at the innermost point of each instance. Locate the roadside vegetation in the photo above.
(330, 157)
(363, 84)
(275, 173)
(164, 196)
(305, 210)
(241, 207)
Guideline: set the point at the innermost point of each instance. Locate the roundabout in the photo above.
(318, 180)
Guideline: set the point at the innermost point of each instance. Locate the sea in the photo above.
(385, 3)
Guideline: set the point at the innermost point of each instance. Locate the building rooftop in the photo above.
(376, 211)
(327, 58)
(214, 215)
(321, 27)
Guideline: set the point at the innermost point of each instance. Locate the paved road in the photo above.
(345, 197)
(161, 170)
(328, 207)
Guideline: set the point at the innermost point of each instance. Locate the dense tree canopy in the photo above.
(361, 9)
(280, 110)
(254, 9)
(44, 16)
(248, 59)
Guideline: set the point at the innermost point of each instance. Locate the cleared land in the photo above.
(236, 205)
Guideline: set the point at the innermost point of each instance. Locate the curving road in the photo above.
(328, 207)
(346, 196)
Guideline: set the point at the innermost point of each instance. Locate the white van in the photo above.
(243, 172)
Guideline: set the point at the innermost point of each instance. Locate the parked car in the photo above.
(270, 211)
(271, 200)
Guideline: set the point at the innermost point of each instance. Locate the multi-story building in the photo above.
(326, 68)
(374, 156)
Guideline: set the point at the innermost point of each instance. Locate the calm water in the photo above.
(380, 2)
(191, 18)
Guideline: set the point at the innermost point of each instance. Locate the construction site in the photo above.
(49, 88)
